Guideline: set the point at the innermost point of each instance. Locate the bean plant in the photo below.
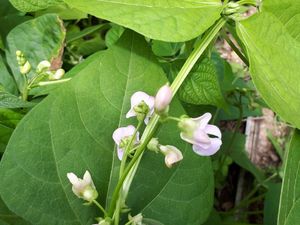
(113, 111)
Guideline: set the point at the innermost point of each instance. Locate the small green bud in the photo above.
(141, 111)
(153, 145)
(43, 66)
(24, 69)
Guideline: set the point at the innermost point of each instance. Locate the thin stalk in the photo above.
(150, 129)
(234, 48)
(25, 88)
(122, 166)
(100, 207)
(196, 53)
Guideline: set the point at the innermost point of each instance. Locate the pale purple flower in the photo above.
(83, 188)
(163, 98)
(197, 130)
(122, 136)
(172, 154)
(136, 99)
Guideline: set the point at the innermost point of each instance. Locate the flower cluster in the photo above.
(205, 138)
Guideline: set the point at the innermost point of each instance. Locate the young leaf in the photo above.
(274, 55)
(33, 5)
(39, 39)
(71, 130)
(290, 193)
(174, 20)
(201, 87)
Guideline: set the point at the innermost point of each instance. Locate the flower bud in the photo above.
(43, 66)
(58, 74)
(18, 53)
(163, 99)
(172, 154)
(153, 145)
(83, 188)
(24, 69)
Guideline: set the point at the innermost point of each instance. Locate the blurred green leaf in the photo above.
(271, 203)
(290, 194)
(33, 5)
(39, 39)
(174, 21)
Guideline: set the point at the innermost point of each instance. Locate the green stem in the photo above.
(150, 129)
(25, 88)
(235, 48)
(196, 53)
(100, 207)
(147, 135)
(122, 166)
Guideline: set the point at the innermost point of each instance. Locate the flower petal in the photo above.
(130, 113)
(120, 153)
(203, 120)
(122, 132)
(87, 177)
(214, 130)
(194, 142)
(72, 178)
(137, 97)
(213, 148)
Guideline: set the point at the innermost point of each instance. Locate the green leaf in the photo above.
(71, 130)
(274, 55)
(39, 39)
(161, 48)
(271, 203)
(6, 79)
(10, 101)
(290, 199)
(174, 20)
(64, 12)
(113, 35)
(201, 87)
(9, 217)
(33, 5)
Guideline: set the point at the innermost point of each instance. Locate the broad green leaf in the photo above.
(290, 193)
(8, 121)
(161, 48)
(11, 101)
(174, 20)
(113, 35)
(201, 87)
(64, 12)
(33, 5)
(39, 39)
(6, 79)
(288, 12)
(8, 217)
(274, 55)
(71, 130)
(271, 203)
(9, 18)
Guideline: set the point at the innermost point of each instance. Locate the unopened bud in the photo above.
(24, 69)
(141, 111)
(172, 154)
(187, 125)
(58, 74)
(43, 66)
(18, 53)
(163, 99)
(153, 145)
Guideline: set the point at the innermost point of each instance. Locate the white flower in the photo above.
(163, 99)
(197, 130)
(122, 137)
(83, 188)
(172, 154)
(141, 99)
